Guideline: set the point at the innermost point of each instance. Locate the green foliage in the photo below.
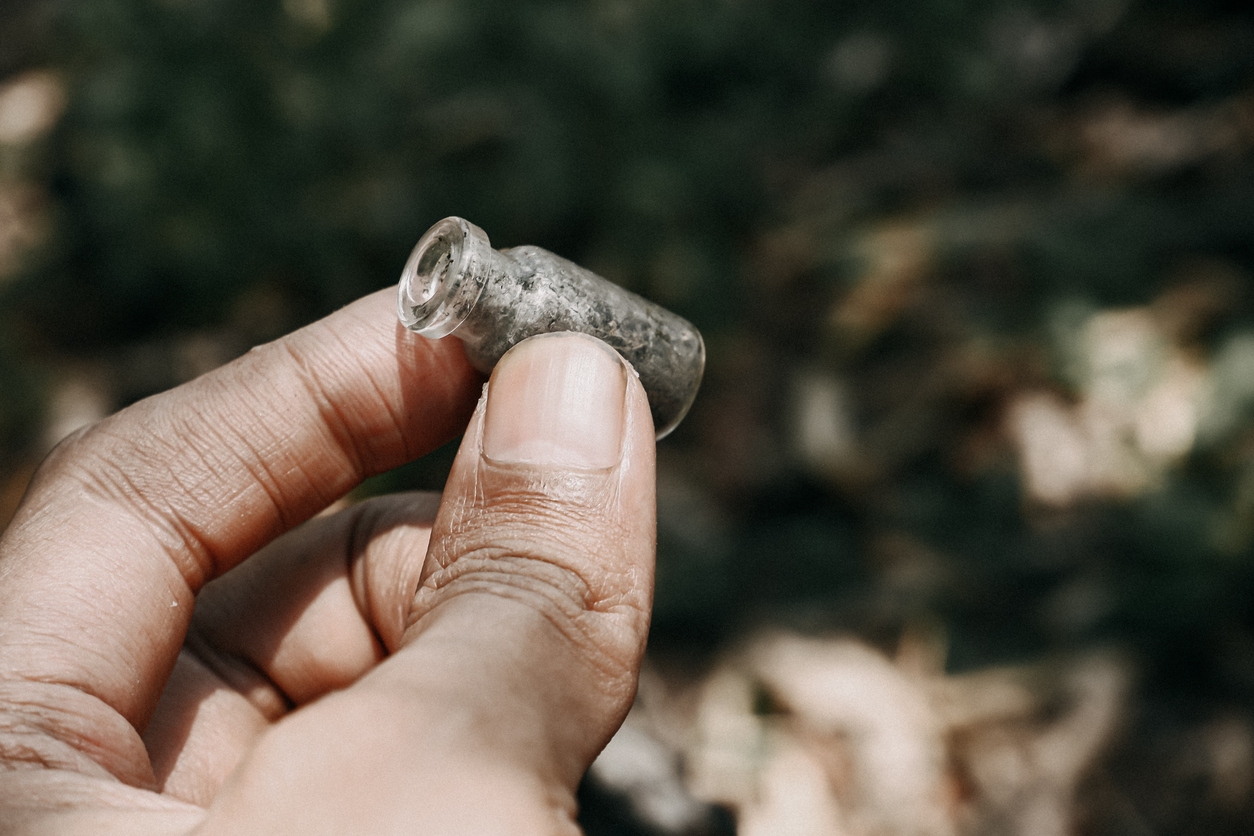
(210, 146)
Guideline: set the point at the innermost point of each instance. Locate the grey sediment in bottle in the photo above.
(455, 283)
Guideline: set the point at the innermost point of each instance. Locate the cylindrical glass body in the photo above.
(455, 283)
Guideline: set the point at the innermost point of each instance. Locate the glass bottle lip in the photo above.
(439, 284)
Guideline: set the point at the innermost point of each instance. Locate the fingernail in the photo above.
(556, 400)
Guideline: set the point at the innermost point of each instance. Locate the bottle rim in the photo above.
(438, 285)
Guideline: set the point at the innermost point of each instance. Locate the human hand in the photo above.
(337, 676)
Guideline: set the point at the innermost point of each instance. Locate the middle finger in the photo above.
(304, 616)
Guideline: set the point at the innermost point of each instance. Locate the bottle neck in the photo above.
(445, 275)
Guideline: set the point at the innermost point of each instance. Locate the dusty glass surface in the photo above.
(455, 283)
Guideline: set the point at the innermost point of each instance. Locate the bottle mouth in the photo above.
(438, 287)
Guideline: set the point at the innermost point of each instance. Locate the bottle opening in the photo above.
(433, 266)
(429, 275)
(436, 292)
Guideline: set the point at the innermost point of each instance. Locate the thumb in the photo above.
(541, 557)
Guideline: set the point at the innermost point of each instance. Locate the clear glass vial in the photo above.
(455, 283)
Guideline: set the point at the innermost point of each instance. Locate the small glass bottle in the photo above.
(455, 283)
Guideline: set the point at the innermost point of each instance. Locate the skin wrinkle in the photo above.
(543, 521)
(193, 437)
(585, 494)
(239, 674)
(78, 669)
(377, 524)
(56, 640)
(164, 442)
(188, 434)
(68, 790)
(490, 584)
(570, 590)
(362, 372)
(360, 570)
(361, 531)
(79, 676)
(563, 606)
(263, 474)
(355, 544)
(84, 649)
(588, 493)
(522, 520)
(264, 479)
(612, 667)
(338, 440)
(14, 755)
(25, 746)
(29, 747)
(103, 743)
(98, 755)
(190, 542)
(588, 586)
(398, 437)
(114, 486)
(328, 414)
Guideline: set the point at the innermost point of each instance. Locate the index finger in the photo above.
(124, 523)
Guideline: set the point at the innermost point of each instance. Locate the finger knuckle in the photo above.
(555, 582)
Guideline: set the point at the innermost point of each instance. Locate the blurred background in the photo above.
(958, 535)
